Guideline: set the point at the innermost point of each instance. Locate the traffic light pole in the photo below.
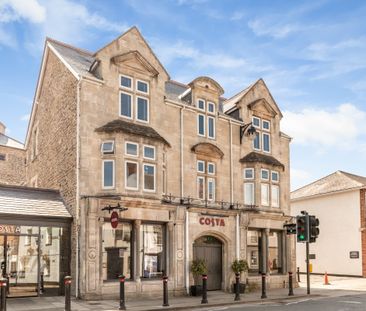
(307, 269)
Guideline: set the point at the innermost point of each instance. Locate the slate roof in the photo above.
(131, 128)
(173, 89)
(261, 158)
(78, 59)
(16, 200)
(338, 181)
(10, 142)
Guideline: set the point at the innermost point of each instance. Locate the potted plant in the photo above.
(239, 266)
(198, 268)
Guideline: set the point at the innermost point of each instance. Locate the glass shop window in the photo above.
(153, 250)
(275, 251)
(116, 251)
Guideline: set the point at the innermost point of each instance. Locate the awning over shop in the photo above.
(26, 201)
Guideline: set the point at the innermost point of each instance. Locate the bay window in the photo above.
(275, 195)
(249, 198)
(131, 175)
(149, 177)
(265, 194)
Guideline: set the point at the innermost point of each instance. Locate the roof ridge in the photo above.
(350, 176)
(315, 181)
(69, 46)
(249, 86)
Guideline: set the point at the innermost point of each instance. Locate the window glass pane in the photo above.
(249, 194)
(211, 168)
(201, 124)
(126, 82)
(126, 105)
(265, 125)
(201, 166)
(256, 122)
(142, 87)
(248, 173)
(265, 174)
(201, 104)
(265, 194)
(131, 175)
(256, 141)
(149, 177)
(275, 176)
(153, 255)
(149, 152)
(274, 252)
(266, 143)
(142, 109)
(201, 187)
(116, 251)
(211, 107)
(275, 194)
(211, 189)
(253, 245)
(108, 147)
(131, 149)
(108, 180)
(211, 127)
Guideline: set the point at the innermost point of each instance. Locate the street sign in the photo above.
(114, 220)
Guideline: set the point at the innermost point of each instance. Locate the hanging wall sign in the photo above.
(114, 220)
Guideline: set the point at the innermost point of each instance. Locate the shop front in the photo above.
(34, 241)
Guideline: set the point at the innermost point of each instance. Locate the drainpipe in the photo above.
(237, 237)
(181, 153)
(231, 164)
(77, 214)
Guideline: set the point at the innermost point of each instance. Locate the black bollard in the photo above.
(204, 289)
(237, 286)
(165, 290)
(41, 287)
(290, 287)
(122, 302)
(3, 286)
(7, 284)
(298, 274)
(264, 295)
(67, 282)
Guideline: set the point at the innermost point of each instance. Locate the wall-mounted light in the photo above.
(247, 130)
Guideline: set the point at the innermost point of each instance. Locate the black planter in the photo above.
(241, 288)
(196, 290)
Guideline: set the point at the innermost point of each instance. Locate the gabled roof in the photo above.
(10, 142)
(17, 200)
(131, 128)
(254, 157)
(336, 182)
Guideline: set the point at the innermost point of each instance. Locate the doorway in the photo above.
(209, 249)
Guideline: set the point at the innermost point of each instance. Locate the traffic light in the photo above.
(302, 228)
(313, 228)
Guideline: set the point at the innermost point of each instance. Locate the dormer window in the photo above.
(206, 129)
(107, 147)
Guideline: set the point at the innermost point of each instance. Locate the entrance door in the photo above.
(209, 249)
(19, 263)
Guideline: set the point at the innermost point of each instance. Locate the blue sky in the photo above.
(311, 54)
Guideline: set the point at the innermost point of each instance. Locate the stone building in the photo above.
(12, 159)
(201, 176)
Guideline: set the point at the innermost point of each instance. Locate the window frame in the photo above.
(277, 196)
(137, 149)
(252, 193)
(209, 103)
(120, 105)
(265, 203)
(107, 152)
(125, 87)
(269, 142)
(260, 141)
(204, 125)
(213, 181)
(208, 127)
(139, 91)
(137, 175)
(214, 168)
(113, 177)
(143, 152)
(248, 169)
(204, 187)
(259, 121)
(148, 109)
(143, 177)
(204, 169)
(278, 176)
(269, 125)
(204, 104)
(268, 172)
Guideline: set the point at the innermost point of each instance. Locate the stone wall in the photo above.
(12, 166)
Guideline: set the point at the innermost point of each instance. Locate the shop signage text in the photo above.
(210, 221)
(9, 229)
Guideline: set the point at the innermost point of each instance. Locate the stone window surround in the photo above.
(262, 132)
(207, 115)
(207, 177)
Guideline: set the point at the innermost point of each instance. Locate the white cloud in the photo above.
(263, 27)
(30, 10)
(299, 177)
(342, 127)
(25, 117)
(237, 15)
(7, 39)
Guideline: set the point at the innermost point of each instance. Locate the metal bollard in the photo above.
(122, 301)
(67, 282)
(3, 286)
(290, 287)
(165, 290)
(298, 274)
(41, 287)
(204, 289)
(264, 295)
(237, 287)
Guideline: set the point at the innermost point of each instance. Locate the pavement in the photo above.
(339, 287)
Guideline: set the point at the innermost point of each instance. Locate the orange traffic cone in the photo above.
(326, 282)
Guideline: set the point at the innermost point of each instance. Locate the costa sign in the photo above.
(213, 222)
(114, 220)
